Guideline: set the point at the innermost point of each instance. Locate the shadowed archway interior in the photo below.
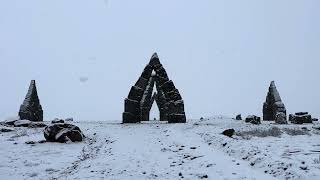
(141, 96)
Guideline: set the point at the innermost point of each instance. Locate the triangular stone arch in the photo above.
(140, 98)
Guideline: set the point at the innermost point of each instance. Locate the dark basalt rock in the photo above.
(281, 118)
(238, 117)
(273, 104)
(301, 117)
(31, 108)
(55, 121)
(229, 132)
(63, 133)
(140, 98)
(253, 119)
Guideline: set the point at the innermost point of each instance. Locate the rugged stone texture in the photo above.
(281, 118)
(30, 124)
(301, 117)
(63, 133)
(273, 104)
(238, 117)
(140, 98)
(253, 119)
(31, 108)
(147, 100)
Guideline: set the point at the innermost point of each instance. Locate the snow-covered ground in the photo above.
(196, 150)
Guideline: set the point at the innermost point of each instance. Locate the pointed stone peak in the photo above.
(31, 108)
(272, 84)
(32, 92)
(154, 60)
(155, 55)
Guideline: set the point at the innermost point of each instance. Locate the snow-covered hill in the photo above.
(196, 150)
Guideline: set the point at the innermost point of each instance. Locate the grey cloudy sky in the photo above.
(222, 55)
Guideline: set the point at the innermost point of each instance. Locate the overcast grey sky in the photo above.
(86, 54)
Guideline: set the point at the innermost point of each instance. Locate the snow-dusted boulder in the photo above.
(62, 133)
(10, 121)
(30, 124)
(281, 118)
(301, 117)
(22, 123)
(56, 120)
(253, 119)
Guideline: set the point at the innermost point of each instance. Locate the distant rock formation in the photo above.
(274, 105)
(140, 98)
(31, 108)
(253, 119)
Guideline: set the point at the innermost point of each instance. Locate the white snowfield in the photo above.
(196, 150)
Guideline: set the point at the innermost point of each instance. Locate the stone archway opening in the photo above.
(141, 97)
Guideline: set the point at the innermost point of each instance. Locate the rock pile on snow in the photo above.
(140, 99)
(16, 122)
(274, 106)
(300, 118)
(63, 132)
(253, 119)
(31, 108)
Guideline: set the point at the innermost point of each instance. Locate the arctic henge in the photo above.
(141, 97)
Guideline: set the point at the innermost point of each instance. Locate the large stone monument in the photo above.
(273, 108)
(140, 98)
(31, 108)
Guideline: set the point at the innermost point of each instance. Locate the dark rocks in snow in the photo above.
(11, 121)
(55, 121)
(300, 118)
(281, 118)
(63, 133)
(229, 132)
(315, 119)
(30, 124)
(31, 108)
(140, 98)
(273, 104)
(238, 117)
(5, 130)
(253, 119)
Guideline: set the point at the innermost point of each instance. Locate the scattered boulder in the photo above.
(281, 118)
(5, 130)
(31, 108)
(253, 119)
(56, 120)
(11, 121)
(238, 117)
(229, 132)
(30, 124)
(315, 119)
(63, 133)
(273, 104)
(22, 123)
(301, 117)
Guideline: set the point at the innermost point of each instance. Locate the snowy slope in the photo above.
(195, 150)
